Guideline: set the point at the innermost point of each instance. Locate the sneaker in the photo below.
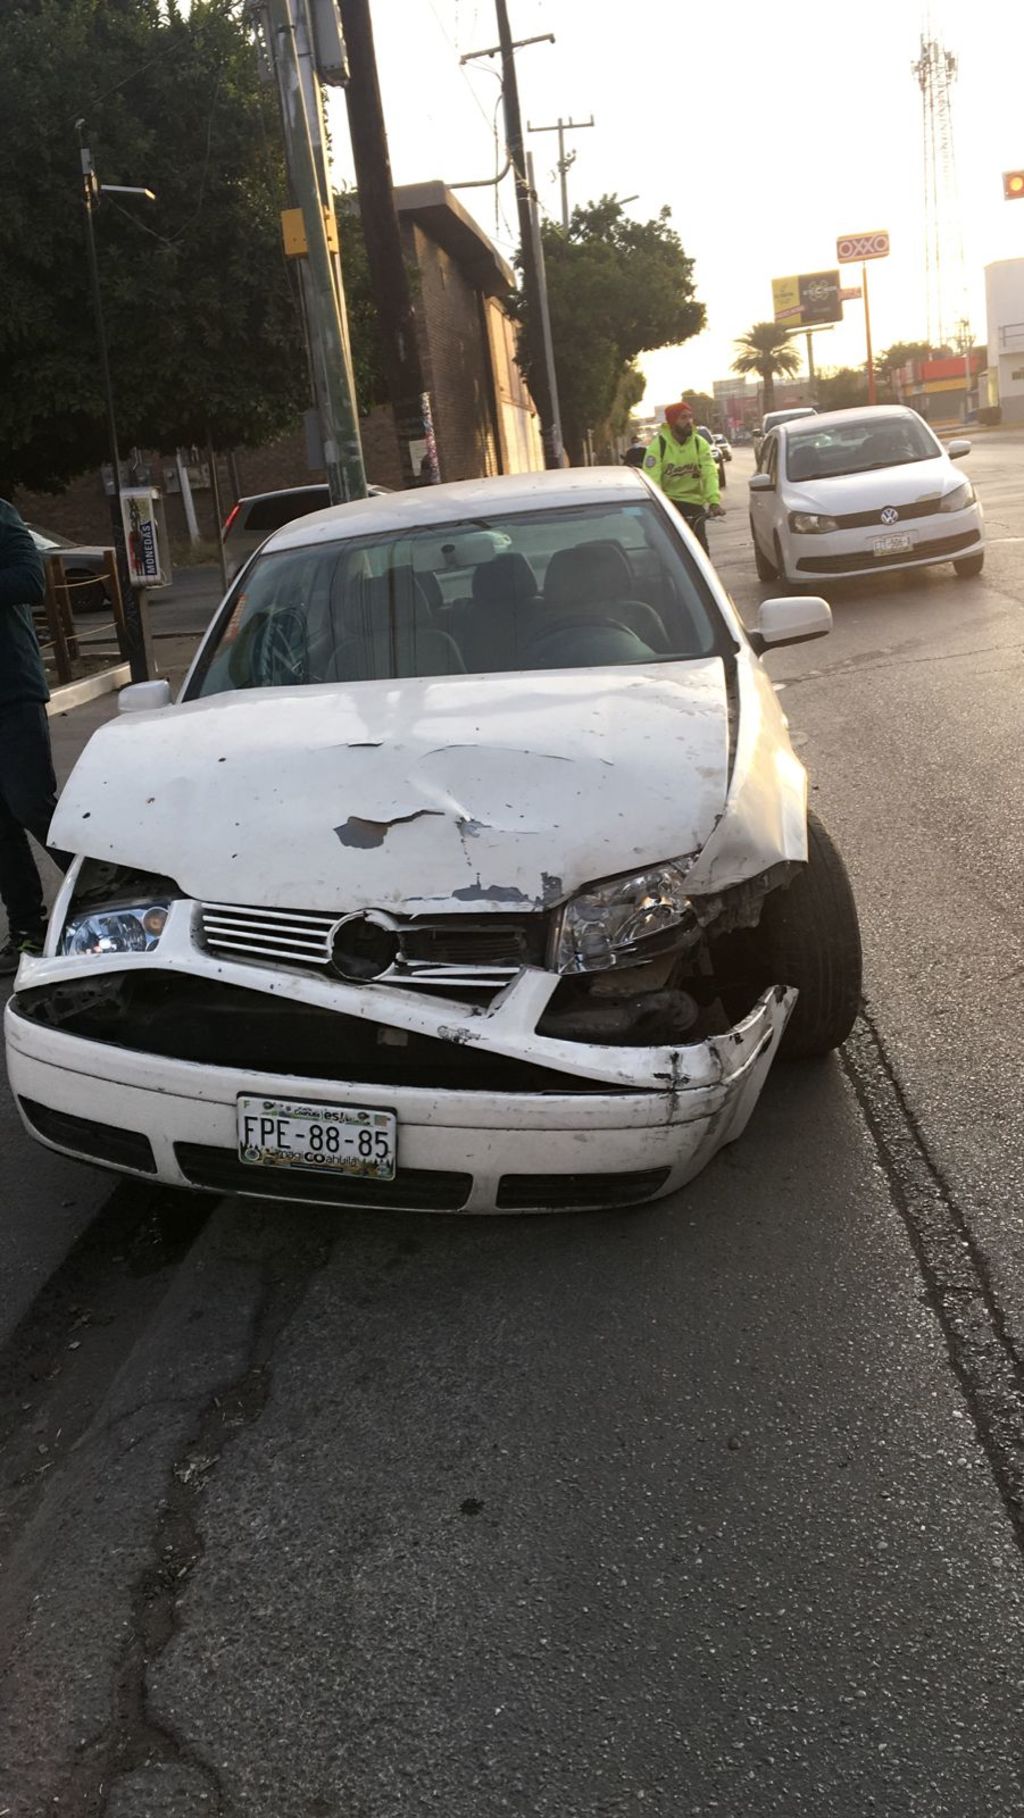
(14, 950)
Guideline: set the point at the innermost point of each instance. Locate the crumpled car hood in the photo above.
(505, 792)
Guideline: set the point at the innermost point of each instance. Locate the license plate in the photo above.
(321, 1139)
(892, 545)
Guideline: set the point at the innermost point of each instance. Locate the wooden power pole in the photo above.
(385, 257)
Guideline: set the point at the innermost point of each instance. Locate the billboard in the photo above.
(807, 301)
(850, 247)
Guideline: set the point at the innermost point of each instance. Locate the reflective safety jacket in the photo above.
(684, 470)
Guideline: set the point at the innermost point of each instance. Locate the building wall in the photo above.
(456, 355)
(1004, 299)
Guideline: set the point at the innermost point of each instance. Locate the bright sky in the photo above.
(768, 131)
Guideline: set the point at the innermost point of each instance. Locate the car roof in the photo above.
(422, 506)
(857, 413)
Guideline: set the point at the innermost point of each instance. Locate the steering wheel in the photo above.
(576, 621)
(272, 651)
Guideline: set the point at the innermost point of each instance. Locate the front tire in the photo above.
(968, 565)
(765, 571)
(809, 936)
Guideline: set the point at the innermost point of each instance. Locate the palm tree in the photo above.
(767, 350)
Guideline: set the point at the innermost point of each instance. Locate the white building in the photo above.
(1004, 301)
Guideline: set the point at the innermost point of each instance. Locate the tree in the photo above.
(842, 388)
(201, 310)
(616, 288)
(767, 350)
(900, 354)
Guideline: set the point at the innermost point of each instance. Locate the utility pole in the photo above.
(872, 385)
(330, 361)
(535, 337)
(545, 315)
(565, 159)
(134, 602)
(409, 401)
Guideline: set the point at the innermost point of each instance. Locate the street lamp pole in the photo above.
(134, 602)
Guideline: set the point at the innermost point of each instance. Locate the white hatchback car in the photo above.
(855, 492)
(498, 893)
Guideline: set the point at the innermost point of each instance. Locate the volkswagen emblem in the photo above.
(364, 946)
(890, 515)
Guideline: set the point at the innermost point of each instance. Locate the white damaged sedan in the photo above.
(462, 883)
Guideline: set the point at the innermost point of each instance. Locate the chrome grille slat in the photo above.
(475, 953)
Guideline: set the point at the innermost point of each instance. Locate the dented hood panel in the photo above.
(504, 792)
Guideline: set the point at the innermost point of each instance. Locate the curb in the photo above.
(75, 694)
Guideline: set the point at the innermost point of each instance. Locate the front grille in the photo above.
(865, 560)
(860, 520)
(577, 1192)
(102, 1142)
(441, 950)
(181, 1017)
(412, 1190)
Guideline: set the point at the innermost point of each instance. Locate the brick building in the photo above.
(484, 418)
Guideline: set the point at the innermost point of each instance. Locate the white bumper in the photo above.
(659, 1113)
(850, 553)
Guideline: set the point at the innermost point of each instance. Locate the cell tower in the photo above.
(935, 70)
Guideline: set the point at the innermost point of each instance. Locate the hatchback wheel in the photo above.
(765, 571)
(968, 565)
(809, 936)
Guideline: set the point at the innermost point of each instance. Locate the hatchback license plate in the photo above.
(883, 546)
(322, 1139)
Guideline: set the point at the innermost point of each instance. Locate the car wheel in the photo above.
(722, 481)
(765, 571)
(809, 936)
(968, 565)
(87, 594)
(780, 564)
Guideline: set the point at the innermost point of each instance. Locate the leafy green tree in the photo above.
(201, 309)
(616, 288)
(767, 350)
(842, 388)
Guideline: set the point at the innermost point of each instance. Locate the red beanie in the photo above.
(673, 412)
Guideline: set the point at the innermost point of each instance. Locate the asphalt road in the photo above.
(711, 1508)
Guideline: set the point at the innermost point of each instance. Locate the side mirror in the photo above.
(144, 697)
(792, 620)
(762, 482)
(960, 447)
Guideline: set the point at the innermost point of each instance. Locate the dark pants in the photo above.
(696, 517)
(28, 797)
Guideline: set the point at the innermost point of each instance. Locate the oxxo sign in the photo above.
(852, 247)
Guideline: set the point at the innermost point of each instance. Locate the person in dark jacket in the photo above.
(28, 788)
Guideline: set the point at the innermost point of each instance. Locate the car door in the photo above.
(762, 504)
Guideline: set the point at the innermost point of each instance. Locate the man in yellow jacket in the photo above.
(682, 464)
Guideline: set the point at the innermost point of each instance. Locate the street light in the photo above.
(136, 635)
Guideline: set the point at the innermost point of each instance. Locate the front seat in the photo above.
(595, 580)
(495, 625)
(387, 630)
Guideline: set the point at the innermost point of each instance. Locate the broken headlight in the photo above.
(128, 928)
(626, 921)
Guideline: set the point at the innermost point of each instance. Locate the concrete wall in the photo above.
(1004, 301)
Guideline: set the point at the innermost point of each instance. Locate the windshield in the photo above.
(586, 587)
(858, 446)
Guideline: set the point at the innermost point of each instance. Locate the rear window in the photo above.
(586, 587)
(280, 508)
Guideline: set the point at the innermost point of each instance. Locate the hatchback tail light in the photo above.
(232, 515)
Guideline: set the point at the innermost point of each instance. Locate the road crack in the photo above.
(957, 1278)
(135, 1740)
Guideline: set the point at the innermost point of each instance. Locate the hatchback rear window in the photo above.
(280, 508)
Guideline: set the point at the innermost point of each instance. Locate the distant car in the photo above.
(703, 430)
(84, 568)
(854, 492)
(775, 417)
(723, 444)
(251, 520)
(504, 903)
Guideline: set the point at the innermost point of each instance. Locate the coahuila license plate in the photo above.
(883, 546)
(325, 1139)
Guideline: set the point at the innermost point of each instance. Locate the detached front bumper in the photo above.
(632, 1123)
